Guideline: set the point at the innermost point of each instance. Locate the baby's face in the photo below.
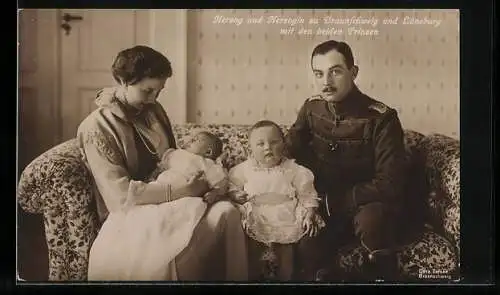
(267, 146)
(202, 146)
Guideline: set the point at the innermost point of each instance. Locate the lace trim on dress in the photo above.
(280, 167)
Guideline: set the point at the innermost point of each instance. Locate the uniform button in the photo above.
(333, 147)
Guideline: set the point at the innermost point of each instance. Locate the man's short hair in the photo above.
(342, 47)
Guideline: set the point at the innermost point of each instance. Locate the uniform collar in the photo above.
(350, 101)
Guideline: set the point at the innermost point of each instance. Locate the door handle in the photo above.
(67, 18)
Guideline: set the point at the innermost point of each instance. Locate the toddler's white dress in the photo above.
(277, 200)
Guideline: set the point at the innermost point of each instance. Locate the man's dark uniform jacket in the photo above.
(355, 149)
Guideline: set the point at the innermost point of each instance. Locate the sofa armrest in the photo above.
(47, 173)
(442, 166)
(58, 185)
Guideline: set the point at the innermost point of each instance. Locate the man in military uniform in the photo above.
(354, 146)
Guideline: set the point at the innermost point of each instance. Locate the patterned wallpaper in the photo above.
(240, 72)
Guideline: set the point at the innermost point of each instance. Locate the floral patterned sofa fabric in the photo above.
(442, 169)
(57, 184)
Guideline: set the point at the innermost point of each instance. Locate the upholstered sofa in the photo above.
(57, 184)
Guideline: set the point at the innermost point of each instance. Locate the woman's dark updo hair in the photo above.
(136, 63)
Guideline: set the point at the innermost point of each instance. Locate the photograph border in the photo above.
(476, 113)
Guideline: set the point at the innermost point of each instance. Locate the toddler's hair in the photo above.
(266, 123)
(214, 141)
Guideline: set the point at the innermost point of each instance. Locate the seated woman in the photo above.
(120, 142)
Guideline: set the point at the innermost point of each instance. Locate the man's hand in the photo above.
(309, 223)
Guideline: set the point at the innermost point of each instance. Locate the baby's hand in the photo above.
(239, 197)
(309, 223)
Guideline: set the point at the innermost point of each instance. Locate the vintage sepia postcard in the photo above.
(239, 146)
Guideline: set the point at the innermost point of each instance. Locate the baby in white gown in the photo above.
(178, 166)
(276, 196)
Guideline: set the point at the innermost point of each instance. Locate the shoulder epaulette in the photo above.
(314, 97)
(379, 107)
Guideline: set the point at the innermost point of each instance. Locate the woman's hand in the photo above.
(197, 186)
(309, 223)
(212, 196)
